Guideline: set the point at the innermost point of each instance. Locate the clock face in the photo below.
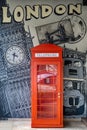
(15, 55)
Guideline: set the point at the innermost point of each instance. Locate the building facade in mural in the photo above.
(74, 83)
(14, 69)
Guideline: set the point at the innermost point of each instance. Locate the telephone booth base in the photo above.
(47, 126)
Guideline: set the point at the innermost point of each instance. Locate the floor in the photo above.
(25, 124)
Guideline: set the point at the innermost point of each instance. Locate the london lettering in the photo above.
(38, 11)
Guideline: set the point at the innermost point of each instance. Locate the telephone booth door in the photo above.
(47, 89)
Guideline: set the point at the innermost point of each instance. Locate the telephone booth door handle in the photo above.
(59, 94)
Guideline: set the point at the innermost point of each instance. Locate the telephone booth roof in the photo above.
(47, 47)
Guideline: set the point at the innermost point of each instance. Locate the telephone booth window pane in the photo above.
(47, 91)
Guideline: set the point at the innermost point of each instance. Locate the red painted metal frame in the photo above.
(58, 61)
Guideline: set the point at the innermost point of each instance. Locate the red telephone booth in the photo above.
(47, 86)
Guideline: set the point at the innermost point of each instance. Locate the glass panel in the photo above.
(77, 63)
(76, 100)
(71, 101)
(68, 62)
(72, 72)
(47, 91)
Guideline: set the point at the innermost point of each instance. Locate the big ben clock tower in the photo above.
(15, 44)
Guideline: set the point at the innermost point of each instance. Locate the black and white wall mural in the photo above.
(15, 44)
(16, 40)
(74, 83)
(71, 30)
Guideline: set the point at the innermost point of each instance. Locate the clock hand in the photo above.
(14, 55)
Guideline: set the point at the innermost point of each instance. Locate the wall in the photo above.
(30, 25)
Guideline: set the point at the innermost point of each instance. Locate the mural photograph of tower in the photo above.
(15, 44)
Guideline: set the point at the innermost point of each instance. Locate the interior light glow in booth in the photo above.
(47, 86)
